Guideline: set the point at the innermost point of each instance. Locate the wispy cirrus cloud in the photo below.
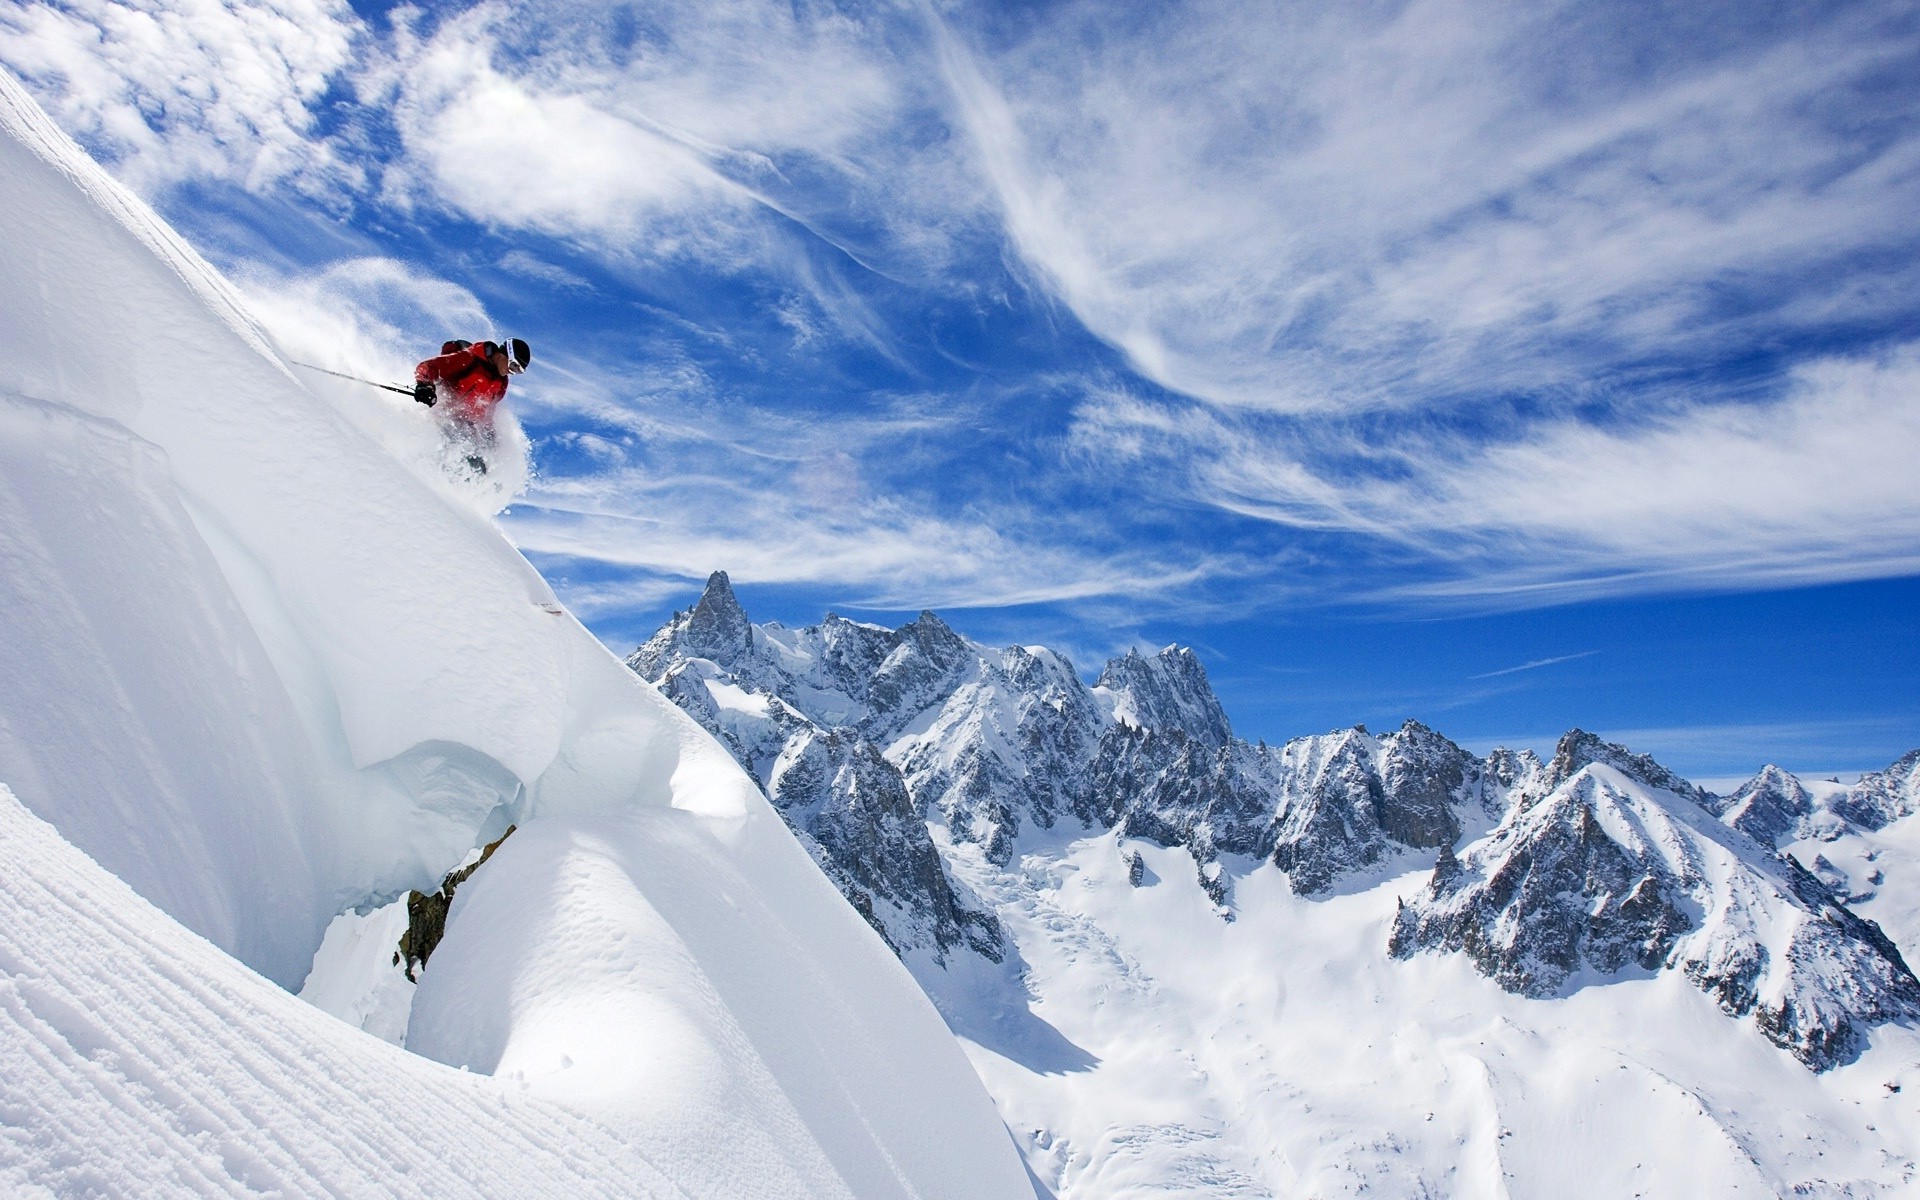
(1513, 302)
(1804, 489)
(1535, 665)
(1394, 206)
(1532, 300)
(190, 90)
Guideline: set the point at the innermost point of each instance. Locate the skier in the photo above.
(471, 379)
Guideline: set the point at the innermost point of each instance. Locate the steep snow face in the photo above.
(1604, 874)
(311, 606)
(267, 673)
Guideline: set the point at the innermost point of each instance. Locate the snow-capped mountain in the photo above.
(1611, 870)
(1598, 882)
(267, 669)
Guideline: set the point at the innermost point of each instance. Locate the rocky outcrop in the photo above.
(853, 808)
(715, 628)
(1348, 800)
(1882, 797)
(849, 804)
(1606, 873)
(1168, 692)
(427, 914)
(1579, 749)
(1776, 807)
(1770, 807)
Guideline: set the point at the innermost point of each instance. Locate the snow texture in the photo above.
(266, 669)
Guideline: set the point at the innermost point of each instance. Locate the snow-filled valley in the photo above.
(1355, 965)
(260, 670)
(272, 680)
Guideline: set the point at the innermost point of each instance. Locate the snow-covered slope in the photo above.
(262, 672)
(137, 1059)
(1213, 982)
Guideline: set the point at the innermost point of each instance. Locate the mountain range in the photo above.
(923, 770)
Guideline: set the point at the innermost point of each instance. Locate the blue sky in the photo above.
(1507, 366)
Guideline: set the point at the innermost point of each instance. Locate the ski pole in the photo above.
(355, 378)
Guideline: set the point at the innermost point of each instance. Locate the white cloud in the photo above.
(1815, 486)
(1313, 210)
(173, 90)
(371, 316)
(884, 553)
(1535, 665)
(662, 129)
(511, 154)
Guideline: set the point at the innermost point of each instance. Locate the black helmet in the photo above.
(518, 353)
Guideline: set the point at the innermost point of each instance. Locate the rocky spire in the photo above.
(717, 629)
(1166, 693)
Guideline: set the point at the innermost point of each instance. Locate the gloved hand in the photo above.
(423, 393)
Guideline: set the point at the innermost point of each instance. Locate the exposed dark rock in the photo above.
(427, 913)
(1167, 692)
(1211, 799)
(1552, 894)
(1769, 807)
(1423, 777)
(1218, 886)
(1598, 876)
(1883, 797)
(1578, 748)
(838, 789)
(715, 628)
(1331, 804)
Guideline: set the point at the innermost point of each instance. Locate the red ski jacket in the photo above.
(465, 381)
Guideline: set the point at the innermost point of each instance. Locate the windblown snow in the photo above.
(265, 667)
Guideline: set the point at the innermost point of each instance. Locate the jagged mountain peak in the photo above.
(1165, 692)
(1515, 770)
(715, 628)
(1578, 748)
(1770, 806)
(935, 638)
(718, 628)
(1608, 872)
(1882, 797)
